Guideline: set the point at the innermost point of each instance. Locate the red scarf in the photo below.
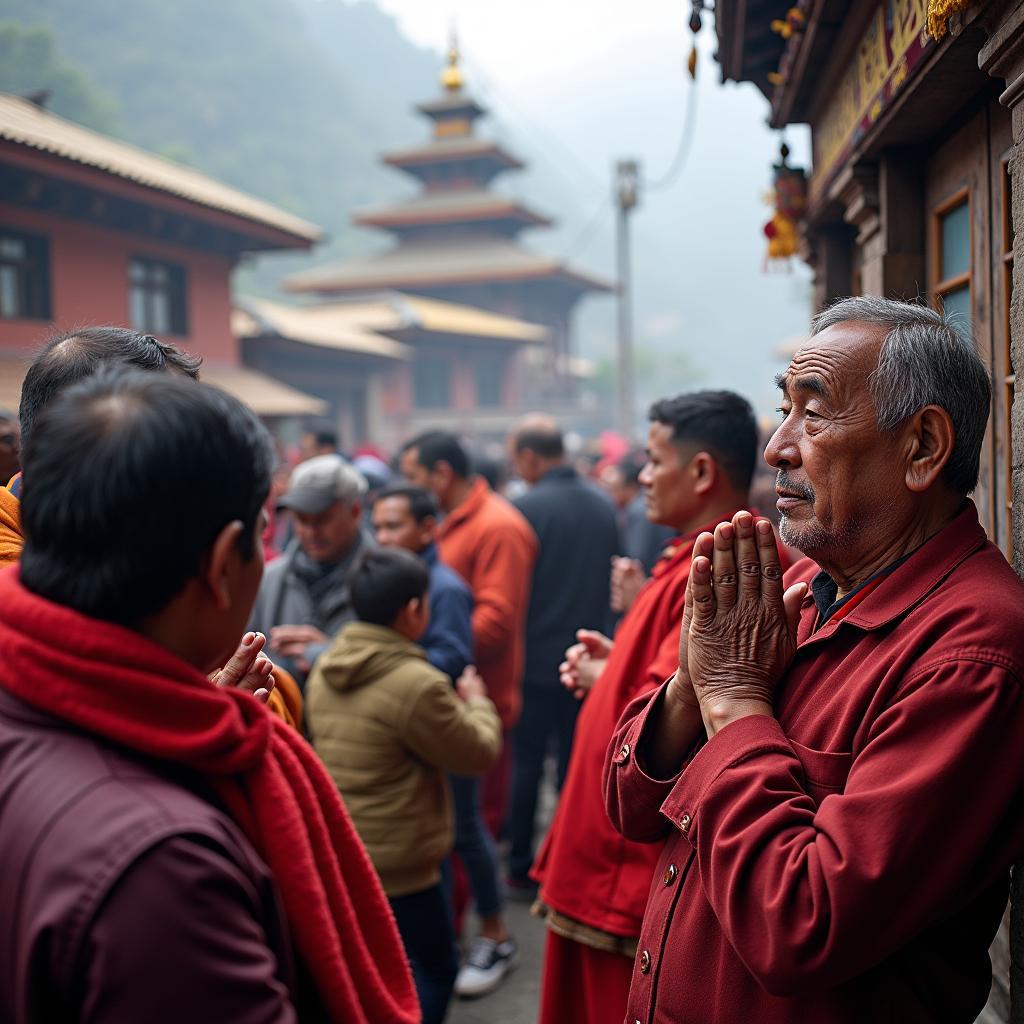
(118, 685)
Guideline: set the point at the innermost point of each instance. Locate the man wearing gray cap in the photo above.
(304, 597)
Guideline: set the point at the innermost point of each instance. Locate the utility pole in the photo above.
(627, 195)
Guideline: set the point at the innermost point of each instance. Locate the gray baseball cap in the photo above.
(318, 483)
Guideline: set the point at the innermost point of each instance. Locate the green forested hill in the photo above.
(287, 99)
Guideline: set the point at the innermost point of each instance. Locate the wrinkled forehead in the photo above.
(835, 365)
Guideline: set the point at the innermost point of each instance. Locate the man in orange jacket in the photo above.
(492, 547)
(701, 452)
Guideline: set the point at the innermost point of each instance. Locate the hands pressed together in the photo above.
(738, 634)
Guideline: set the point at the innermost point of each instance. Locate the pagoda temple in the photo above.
(458, 241)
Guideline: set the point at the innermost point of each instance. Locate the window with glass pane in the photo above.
(953, 289)
(430, 378)
(157, 300)
(490, 372)
(24, 276)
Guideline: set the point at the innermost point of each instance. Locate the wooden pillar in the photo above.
(828, 248)
(1002, 56)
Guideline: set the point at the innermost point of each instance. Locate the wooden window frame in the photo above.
(943, 286)
(176, 289)
(33, 274)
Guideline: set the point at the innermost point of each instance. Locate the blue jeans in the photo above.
(425, 923)
(475, 847)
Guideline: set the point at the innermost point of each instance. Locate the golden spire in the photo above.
(451, 76)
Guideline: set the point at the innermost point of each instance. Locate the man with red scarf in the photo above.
(169, 850)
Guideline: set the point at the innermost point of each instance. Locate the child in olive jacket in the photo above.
(389, 726)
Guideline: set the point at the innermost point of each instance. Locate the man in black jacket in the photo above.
(576, 526)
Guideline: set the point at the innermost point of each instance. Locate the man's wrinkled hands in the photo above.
(584, 662)
(248, 668)
(739, 630)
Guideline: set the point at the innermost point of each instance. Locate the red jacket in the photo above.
(491, 546)
(587, 870)
(848, 859)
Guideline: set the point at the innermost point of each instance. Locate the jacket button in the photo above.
(645, 962)
(670, 874)
(684, 823)
(624, 753)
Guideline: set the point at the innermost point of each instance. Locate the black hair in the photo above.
(72, 356)
(434, 446)
(545, 442)
(493, 471)
(133, 475)
(630, 466)
(384, 581)
(325, 439)
(720, 422)
(421, 503)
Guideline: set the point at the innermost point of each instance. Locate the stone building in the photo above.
(916, 110)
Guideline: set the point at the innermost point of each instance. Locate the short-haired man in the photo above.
(701, 451)
(304, 599)
(406, 517)
(834, 771)
(642, 540)
(65, 359)
(577, 536)
(318, 442)
(491, 546)
(168, 850)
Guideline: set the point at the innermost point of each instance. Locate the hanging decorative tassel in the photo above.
(939, 13)
(792, 23)
(789, 198)
(695, 25)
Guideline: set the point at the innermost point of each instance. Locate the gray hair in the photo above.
(925, 360)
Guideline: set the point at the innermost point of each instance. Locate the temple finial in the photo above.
(451, 76)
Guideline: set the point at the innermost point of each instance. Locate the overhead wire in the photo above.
(683, 149)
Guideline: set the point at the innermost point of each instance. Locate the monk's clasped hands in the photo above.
(738, 634)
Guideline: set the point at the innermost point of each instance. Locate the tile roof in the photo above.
(25, 124)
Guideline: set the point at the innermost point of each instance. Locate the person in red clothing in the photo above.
(169, 850)
(490, 545)
(833, 773)
(701, 451)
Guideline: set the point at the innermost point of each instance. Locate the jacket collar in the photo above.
(557, 473)
(912, 581)
(681, 547)
(478, 494)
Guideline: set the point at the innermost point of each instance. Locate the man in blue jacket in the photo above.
(406, 517)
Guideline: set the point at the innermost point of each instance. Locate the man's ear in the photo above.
(704, 471)
(931, 438)
(427, 528)
(217, 565)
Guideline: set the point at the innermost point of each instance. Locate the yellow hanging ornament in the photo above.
(691, 63)
(939, 13)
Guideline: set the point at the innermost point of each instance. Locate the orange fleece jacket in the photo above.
(492, 547)
(11, 539)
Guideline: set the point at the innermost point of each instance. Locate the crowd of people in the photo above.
(266, 717)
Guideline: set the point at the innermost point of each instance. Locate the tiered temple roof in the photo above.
(455, 231)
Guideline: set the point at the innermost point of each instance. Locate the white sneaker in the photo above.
(486, 966)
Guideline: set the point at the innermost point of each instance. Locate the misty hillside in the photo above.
(283, 98)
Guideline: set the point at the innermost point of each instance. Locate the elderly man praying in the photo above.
(835, 769)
